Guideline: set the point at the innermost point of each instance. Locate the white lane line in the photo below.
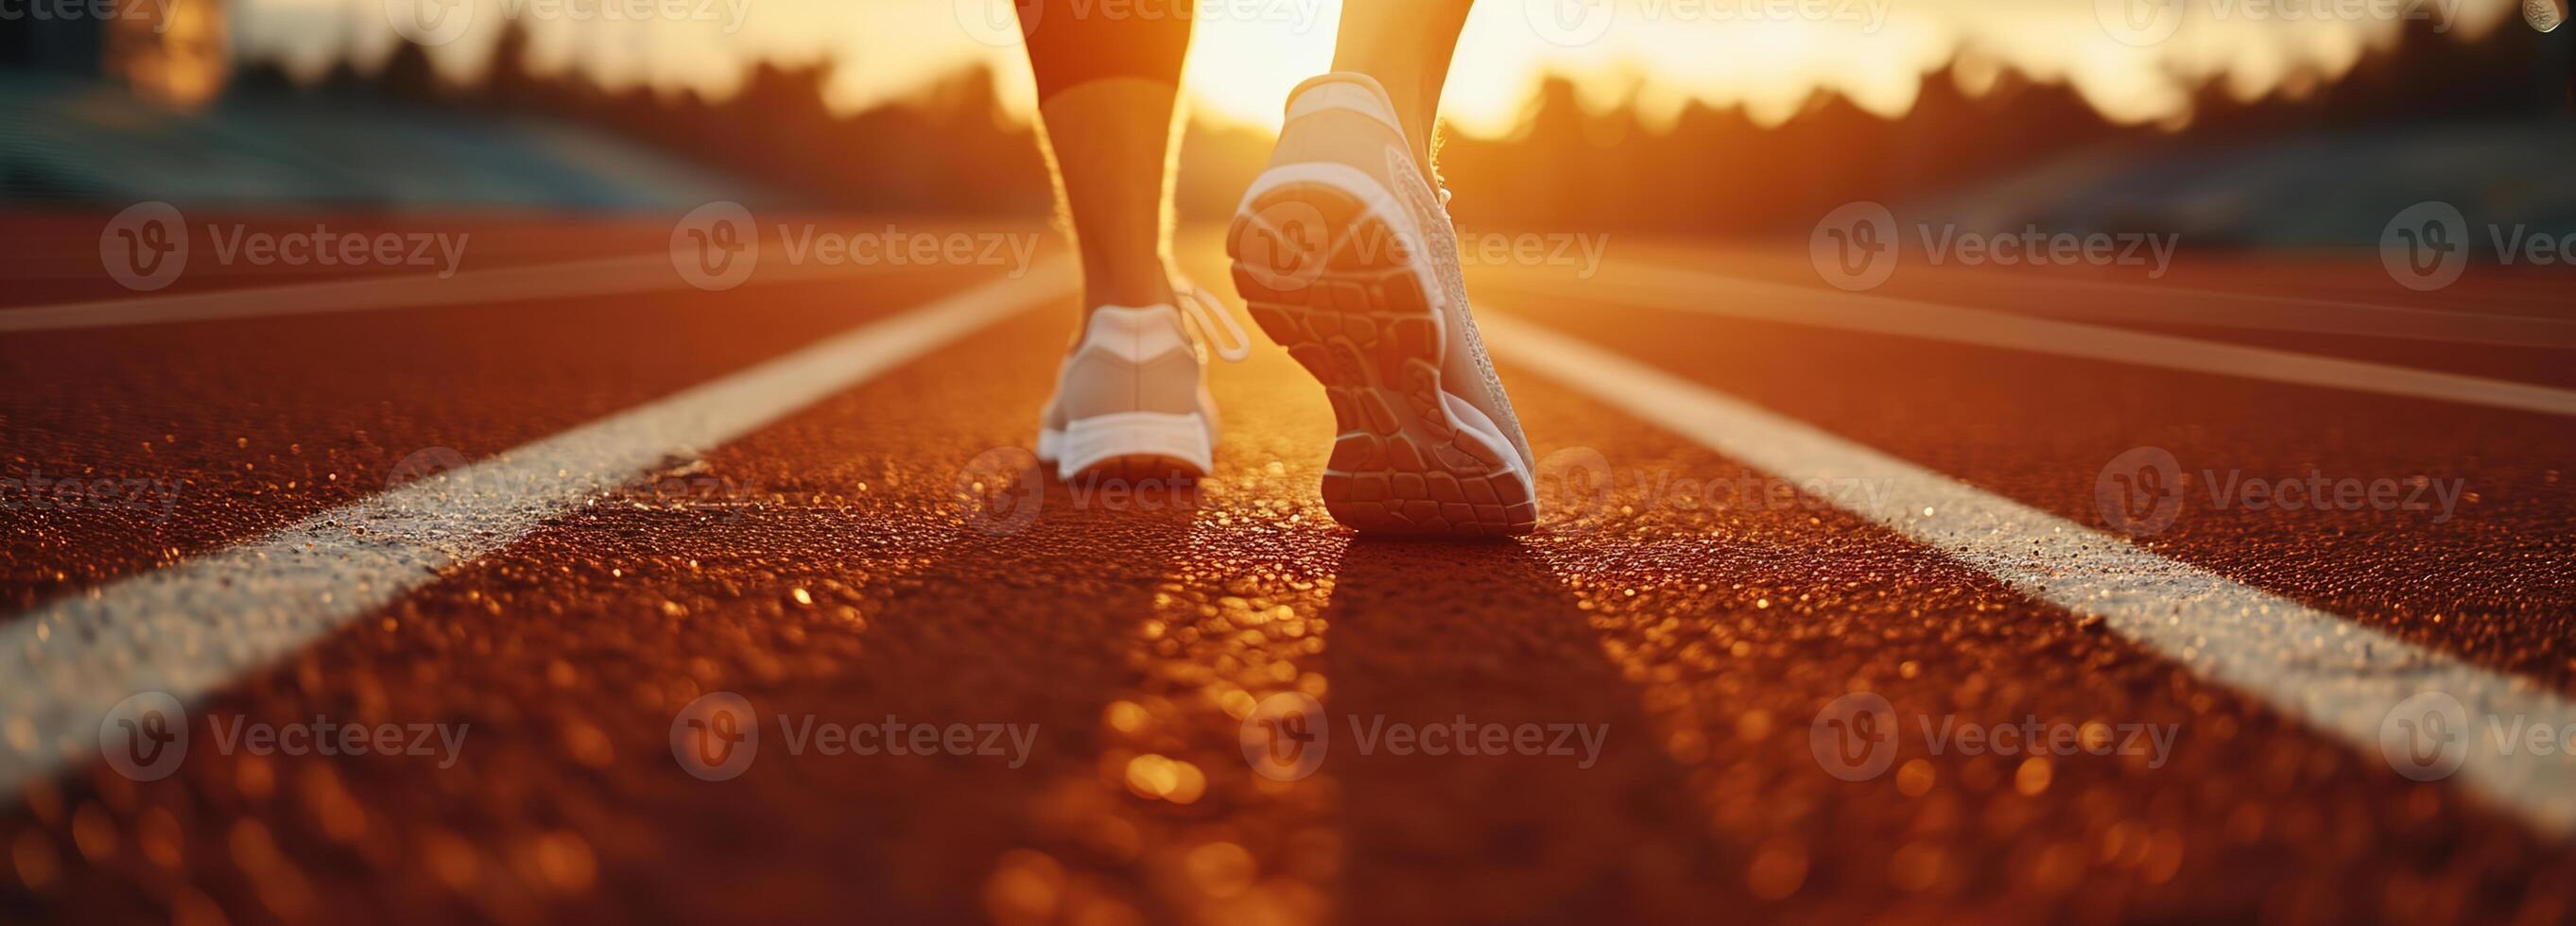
(607, 276)
(1713, 294)
(2188, 305)
(2320, 669)
(187, 629)
(2156, 301)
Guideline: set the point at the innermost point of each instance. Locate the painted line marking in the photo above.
(2315, 667)
(194, 626)
(2191, 305)
(606, 276)
(1712, 294)
(2092, 299)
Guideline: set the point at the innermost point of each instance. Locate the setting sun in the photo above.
(1140, 462)
(1768, 56)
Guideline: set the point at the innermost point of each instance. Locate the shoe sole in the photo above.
(1129, 446)
(1140, 469)
(1367, 324)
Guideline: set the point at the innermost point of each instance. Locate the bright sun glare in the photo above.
(1768, 56)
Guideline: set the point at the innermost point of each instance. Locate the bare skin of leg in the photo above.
(1405, 45)
(1112, 142)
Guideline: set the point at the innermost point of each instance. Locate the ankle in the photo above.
(1131, 287)
(1416, 104)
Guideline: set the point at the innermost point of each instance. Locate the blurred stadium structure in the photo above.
(177, 53)
(131, 111)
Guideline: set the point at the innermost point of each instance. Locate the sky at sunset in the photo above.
(2134, 60)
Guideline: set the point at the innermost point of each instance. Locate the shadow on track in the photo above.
(1424, 634)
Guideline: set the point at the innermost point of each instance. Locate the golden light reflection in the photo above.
(1165, 778)
(1660, 55)
(176, 53)
(1171, 794)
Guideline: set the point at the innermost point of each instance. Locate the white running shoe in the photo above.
(1345, 254)
(1131, 400)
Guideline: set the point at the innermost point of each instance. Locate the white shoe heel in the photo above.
(1135, 444)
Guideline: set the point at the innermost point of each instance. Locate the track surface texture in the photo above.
(1635, 712)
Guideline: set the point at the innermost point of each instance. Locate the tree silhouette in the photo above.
(952, 149)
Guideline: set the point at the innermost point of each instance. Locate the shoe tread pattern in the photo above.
(1362, 324)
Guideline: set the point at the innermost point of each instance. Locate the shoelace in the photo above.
(1208, 316)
